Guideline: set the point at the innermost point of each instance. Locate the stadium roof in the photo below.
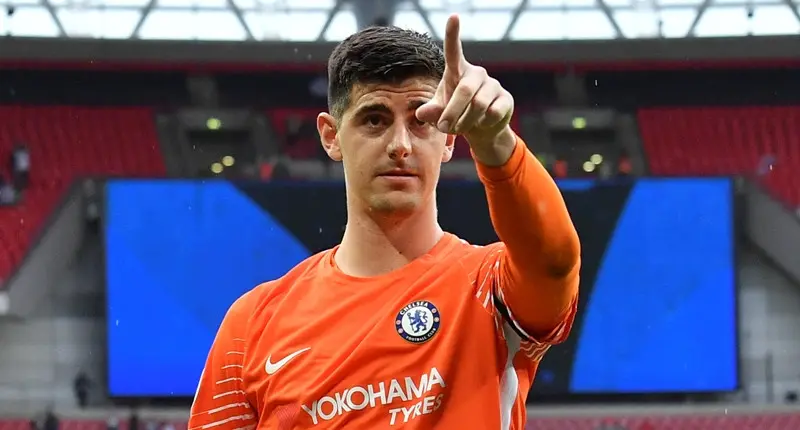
(332, 20)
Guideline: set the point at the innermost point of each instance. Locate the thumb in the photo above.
(431, 111)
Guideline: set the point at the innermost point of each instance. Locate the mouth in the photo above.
(398, 173)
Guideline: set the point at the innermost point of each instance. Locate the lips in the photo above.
(398, 173)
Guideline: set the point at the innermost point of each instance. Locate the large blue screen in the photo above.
(658, 301)
(177, 255)
(661, 314)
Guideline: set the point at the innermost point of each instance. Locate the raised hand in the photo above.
(468, 101)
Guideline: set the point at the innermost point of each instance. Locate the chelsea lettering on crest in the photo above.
(418, 321)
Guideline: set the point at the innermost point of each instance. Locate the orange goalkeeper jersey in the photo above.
(430, 345)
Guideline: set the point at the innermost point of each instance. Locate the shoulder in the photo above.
(475, 256)
(263, 296)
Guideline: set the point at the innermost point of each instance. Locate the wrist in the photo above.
(497, 152)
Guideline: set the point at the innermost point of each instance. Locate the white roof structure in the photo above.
(332, 20)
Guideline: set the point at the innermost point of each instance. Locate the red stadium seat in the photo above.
(297, 130)
(67, 143)
(738, 421)
(726, 141)
(15, 425)
(671, 422)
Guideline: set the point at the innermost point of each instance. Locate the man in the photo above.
(81, 386)
(403, 324)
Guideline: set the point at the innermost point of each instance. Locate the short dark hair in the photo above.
(380, 55)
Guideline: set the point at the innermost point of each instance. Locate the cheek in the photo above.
(359, 164)
(433, 153)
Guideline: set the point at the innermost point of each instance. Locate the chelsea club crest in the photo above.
(418, 321)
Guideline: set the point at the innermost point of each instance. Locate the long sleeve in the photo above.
(536, 277)
(221, 401)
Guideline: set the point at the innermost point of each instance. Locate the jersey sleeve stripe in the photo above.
(500, 304)
(509, 380)
(243, 417)
(238, 408)
(229, 393)
(222, 408)
(533, 348)
(221, 401)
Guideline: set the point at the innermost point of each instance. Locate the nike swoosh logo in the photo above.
(271, 368)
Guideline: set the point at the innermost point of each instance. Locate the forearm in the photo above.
(542, 258)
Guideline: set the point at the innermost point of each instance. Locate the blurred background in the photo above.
(159, 158)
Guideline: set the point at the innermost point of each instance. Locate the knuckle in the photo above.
(495, 113)
(449, 115)
(480, 71)
(464, 90)
(480, 104)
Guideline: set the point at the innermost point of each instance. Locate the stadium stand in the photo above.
(699, 422)
(143, 108)
(67, 143)
(738, 421)
(80, 424)
(15, 424)
(297, 130)
(726, 141)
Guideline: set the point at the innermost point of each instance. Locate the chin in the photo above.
(395, 202)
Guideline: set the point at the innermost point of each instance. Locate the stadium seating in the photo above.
(297, 131)
(676, 422)
(67, 143)
(682, 422)
(81, 424)
(759, 142)
(14, 425)
(667, 422)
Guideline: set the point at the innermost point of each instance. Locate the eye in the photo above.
(373, 120)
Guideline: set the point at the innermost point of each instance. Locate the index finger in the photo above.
(453, 52)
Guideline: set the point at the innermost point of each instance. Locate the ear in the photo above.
(449, 144)
(328, 135)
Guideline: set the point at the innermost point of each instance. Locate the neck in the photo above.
(375, 245)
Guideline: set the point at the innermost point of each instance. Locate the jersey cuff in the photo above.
(500, 305)
(554, 337)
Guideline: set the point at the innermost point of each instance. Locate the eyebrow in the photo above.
(382, 108)
(415, 104)
(372, 108)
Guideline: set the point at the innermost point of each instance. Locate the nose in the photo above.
(399, 146)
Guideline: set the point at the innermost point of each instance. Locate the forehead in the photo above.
(392, 95)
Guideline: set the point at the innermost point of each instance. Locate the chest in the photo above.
(372, 347)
